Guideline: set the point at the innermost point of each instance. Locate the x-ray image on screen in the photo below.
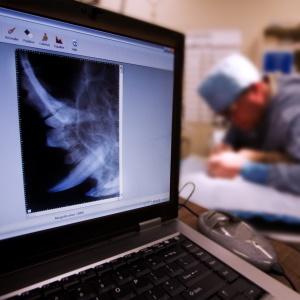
(69, 126)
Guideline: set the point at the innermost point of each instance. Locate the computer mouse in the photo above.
(238, 237)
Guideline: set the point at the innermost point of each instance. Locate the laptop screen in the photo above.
(85, 123)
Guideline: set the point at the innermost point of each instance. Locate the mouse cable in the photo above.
(188, 198)
(189, 209)
(277, 269)
(191, 192)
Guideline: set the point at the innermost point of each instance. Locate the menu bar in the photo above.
(16, 30)
(28, 35)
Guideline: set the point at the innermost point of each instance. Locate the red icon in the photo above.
(11, 30)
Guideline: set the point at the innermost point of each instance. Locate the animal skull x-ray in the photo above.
(69, 124)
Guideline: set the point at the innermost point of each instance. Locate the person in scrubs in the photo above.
(262, 143)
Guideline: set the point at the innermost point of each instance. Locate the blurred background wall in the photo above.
(248, 19)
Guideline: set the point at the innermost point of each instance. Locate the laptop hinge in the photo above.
(149, 224)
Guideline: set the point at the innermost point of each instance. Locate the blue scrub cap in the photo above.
(225, 82)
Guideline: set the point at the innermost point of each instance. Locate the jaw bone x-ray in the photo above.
(69, 122)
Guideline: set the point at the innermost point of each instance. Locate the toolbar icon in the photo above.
(45, 37)
(75, 43)
(28, 33)
(58, 40)
(11, 30)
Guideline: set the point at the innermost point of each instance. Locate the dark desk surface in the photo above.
(288, 257)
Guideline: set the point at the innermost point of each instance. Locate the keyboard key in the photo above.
(193, 275)
(205, 258)
(159, 247)
(228, 274)
(187, 262)
(200, 253)
(141, 285)
(139, 268)
(117, 263)
(146, 252)
(172, 243)
(82, 292)
(100, 270)
(154, 262)
(104, 283)
(210, 261)
(51, 288)
(157, 293)
(87, 274)
(123, 292)
(205, 288)
(188, 244)
(173, 254)
(227, 293)
(194, 249)
(157, 277)
(61, 295)
(32, 295)
(253, 292)
(122, 276)
(132, 257)
(70, 281)
(106, 296)
(173, 287)
(173, 269)
(180, 238)
(238, 287)
(215, 265)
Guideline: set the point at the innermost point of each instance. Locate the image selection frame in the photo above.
(43, 75)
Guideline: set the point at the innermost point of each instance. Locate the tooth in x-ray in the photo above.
(86, 130)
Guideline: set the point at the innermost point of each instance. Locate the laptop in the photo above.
(90, 130)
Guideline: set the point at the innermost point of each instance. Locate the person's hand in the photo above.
(225, 164)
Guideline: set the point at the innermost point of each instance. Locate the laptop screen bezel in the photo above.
(37, 246)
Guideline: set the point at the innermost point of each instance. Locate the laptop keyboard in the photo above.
(173, 269)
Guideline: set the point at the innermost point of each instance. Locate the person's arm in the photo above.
(274, 169)
(252, 165)
(231, 164)
(282, 176)
(285, 177)
(258, 167)
(282, 171)
(265, 156)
